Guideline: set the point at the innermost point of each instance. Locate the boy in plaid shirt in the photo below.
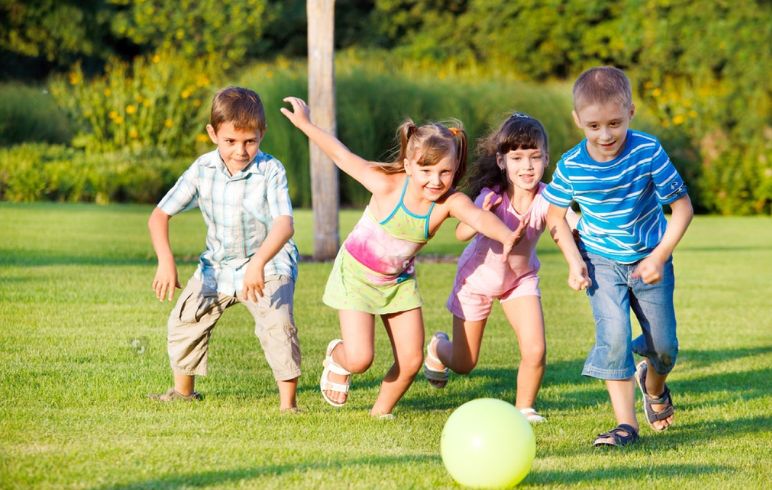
(250, 257)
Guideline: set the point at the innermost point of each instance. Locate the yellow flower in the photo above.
(656, 92)
(156, 58)
(202, 81)
(197, 103)
(692, 113)
(678, 119)
(168, 123)
(133, 134)
(108, 92)
(113, 115)
(75, 77)
(131, 109)
(202, 138)
(118, 120)
(185, 93)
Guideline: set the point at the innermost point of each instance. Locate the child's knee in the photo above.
(664, 359)
(533, 355)
(359, 363)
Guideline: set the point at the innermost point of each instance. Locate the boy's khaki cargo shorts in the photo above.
(198, 309)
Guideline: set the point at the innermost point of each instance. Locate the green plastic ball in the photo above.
(487, 443)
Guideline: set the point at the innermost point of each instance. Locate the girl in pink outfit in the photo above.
(374, 274)
(506, 180)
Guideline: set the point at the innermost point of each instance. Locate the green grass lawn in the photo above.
(82, 341)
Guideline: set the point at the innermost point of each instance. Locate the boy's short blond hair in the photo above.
(238, 105)
(602, 84)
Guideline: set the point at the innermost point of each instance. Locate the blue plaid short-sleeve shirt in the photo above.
(238, 211)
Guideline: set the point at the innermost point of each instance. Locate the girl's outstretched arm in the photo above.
(485, 222)
(465, 232)
(366, 173)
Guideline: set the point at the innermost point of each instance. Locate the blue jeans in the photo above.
(612, 294)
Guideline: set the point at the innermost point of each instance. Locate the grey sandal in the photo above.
(619, 436)
(648, 400)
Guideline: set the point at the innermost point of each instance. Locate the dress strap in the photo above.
(400, 203)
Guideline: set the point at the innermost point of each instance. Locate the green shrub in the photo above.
(34, 172)
(371, 103)
(30, 114)
(159, 102)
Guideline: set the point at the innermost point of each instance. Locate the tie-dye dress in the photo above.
(374, 271)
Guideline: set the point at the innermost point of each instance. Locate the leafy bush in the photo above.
(371, 103)
(159, 102)
(223, 28)
(33, 172)
(30, 114)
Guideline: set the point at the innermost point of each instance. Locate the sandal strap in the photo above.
(333, 386)
(335, 367)
(661, 399)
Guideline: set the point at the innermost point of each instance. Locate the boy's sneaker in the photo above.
(173, 395)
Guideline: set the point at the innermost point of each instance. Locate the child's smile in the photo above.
(605, 127)
(524, 167)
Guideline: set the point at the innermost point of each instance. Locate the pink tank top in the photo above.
(389, 247)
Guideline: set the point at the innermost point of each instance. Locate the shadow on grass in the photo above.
(585, 392)
(605, 476)
(219, 478)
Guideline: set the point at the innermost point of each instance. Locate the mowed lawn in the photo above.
(82, 341)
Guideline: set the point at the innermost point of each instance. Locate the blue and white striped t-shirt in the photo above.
(238, 211)
(620, 200)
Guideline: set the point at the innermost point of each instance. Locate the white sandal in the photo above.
(436, 378)
(532, 416)
(330, 366)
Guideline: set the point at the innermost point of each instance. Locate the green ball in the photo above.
(487, 443)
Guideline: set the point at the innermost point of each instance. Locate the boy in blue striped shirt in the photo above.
(621, 179)
(250, 257)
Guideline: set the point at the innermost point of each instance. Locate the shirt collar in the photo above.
(251, 168)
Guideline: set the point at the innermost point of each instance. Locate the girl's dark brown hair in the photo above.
(519, 132)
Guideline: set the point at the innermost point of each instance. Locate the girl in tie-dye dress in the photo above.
(374, 272)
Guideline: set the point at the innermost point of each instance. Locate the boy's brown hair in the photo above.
(602, 84)
(238, 105)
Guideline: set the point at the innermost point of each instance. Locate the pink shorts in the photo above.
(468, 303)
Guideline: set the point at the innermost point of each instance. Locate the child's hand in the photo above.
(300, 113)
(165, 281)
(253, 282)
(487, 204)
(650, 270)
(578, 277)
(516, 235)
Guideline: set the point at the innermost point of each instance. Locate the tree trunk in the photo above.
(321, 100)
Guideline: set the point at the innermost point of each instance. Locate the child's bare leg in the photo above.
(184, 384)
(622, 394)
(461, 354)
(355, 353)
(287, 392)
(525, 316)
(406, 333)
(655, 385)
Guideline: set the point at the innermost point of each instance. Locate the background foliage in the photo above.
(700, 72)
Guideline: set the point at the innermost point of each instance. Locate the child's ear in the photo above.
(632, 110)
(408, 168)
(212, 133)
(500, 161)
(576, 119)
